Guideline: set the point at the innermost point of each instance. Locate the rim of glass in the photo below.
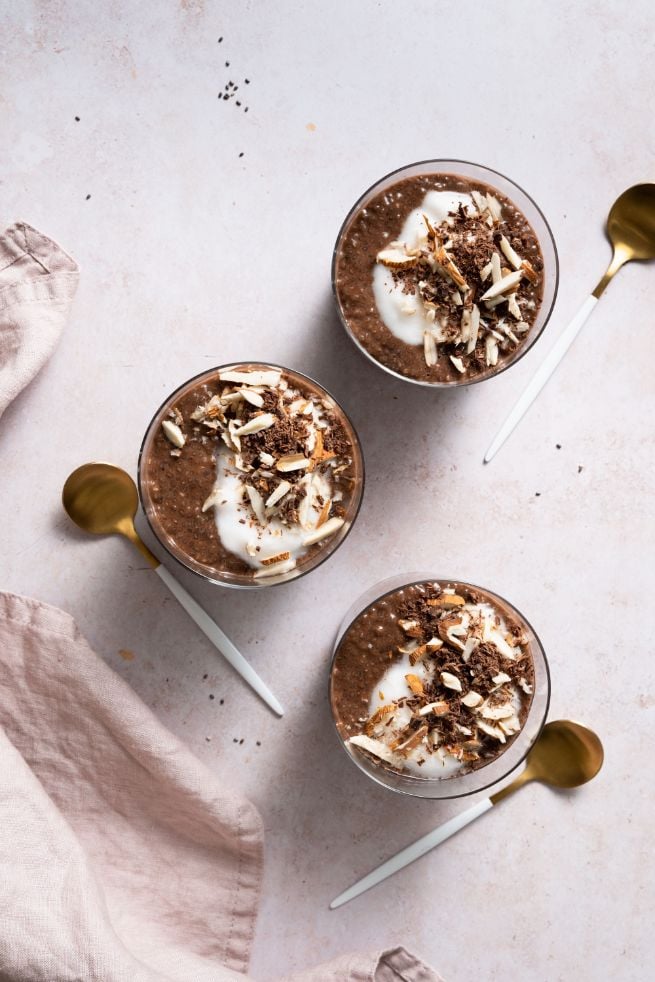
(457, 383)
(413, 580)
(256, 584)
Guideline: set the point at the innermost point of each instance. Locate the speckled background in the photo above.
(193, 255)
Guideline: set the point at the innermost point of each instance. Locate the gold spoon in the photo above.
(103, 499)
(565, 755)
(631, 230)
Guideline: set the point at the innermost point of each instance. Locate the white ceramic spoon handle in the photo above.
(415, 851)
(218, 638)
(541, 376)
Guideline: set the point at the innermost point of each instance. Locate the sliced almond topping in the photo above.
(513, 259)
(292, 462)
(494, 207)
(257, 503)
(255, 425)
(434, 644)
(375, 747)
(495, 267)
(173, 433)
(323, 514)
(504, 285)
(529, 271)
(413, 740)
(465, 324)
(276, 570)
(522, 327)
(496, 712)
(396, 259)
(279, 558)
(485, 272)
(451, 681)
(429, 348)
(472, 699)
(215, 496)
(415, 684)
(269, 379)
(413, 628)
(513, 307)
(501, 678)
(491, 352)
(252, 397)
(283, 488)
(525, 685)
(458, 363)
(327, 528)
(267, 459)
(480, 201)
(378, 716)
(464, 729)
(474, 329)
(447, 600)
(469, 647)
(417, 654)
(435, 708)
(449, 267)
(409, 648)
(492, 731)
(511, 725)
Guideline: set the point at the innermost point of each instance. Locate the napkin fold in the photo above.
(122, 857)
(38, 281)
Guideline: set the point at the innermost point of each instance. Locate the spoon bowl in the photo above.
(99, 497)
(631, 222)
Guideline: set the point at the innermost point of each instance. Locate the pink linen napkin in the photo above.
(122, 857)
(38, 281)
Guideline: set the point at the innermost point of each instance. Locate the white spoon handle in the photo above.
(218, 638)
(415, 851)
(541, 376)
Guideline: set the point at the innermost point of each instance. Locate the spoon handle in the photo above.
(415, 851)
(219, 639)
(541, 376)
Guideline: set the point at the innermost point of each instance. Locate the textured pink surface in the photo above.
(192, 256)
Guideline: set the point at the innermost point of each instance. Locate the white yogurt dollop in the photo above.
(404, 313)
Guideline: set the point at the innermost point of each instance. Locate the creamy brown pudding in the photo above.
(433, 680)
(250, 473)
(439, 278)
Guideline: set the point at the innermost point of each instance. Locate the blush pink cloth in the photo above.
(38, 282)
(122, 857)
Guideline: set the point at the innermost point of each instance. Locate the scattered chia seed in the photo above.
(241, 154)
(240, 742)
(559, 446)
(259, 743)
(247, 81)
(537, 494)
(234, 740)
(211, 695)
(580, 468)
(88, 196)
(77, 119)
(205, 676)
(238, 103)
(221, 701)
(227, 64)
(220, 40)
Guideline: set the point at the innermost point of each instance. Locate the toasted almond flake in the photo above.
(474, 329)
(434, 644)
(429, 348)
(276, 570)
(457, 298)
(480, 201)
(396, 259)
(292, 462)
(469, 647)
(496, 712)
(431, 230)
(491, 351)
(465, 324)
(449, 267)
(415, 684)
(510, 726)
(522, 327)
(451, 681)
(494, 207)
(504, 285)
(409, 648)
(447, 600)
(417, 654)
(323, 514)
(407, 308)
(173, 433)
(266, 459)
(280, 557)
(492, 731)
(257, 503)
(375, 747)
(513, 307)
(283, 488)
(268, 378)
(495, 267)
(472, 699)
(485, 272)
(409, 627)
(513, 259)
(464, 729)
(378, 717)
(458, 363)
(525, 685)
(501, 678)
(255, 425)
(529, 271)
(214, 497)
(227, 399)
(252, 397)
(494, 637)
(413, 740)
(328, 528)
(251, 548)
(439, 708)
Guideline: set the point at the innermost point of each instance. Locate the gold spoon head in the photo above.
(631, 222)
(565, 755)
(101, 498)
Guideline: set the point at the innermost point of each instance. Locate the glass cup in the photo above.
(458, 785)
(520, 198)
(225, 577)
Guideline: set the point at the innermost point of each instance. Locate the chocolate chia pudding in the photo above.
(251, 474)
(440, 277)
(433, 680)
